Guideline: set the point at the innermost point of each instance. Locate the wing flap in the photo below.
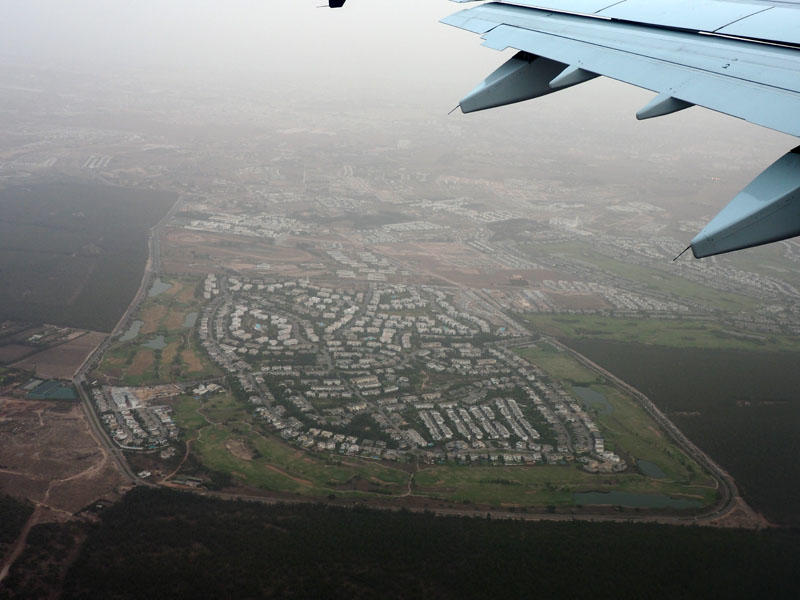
(773, 21)
(754, 82)
(777, 24)
(696, 15)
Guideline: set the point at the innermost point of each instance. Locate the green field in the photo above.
(658, 281)
(547, 485)
(740, 407)
(678, 333)
(132, 362)
(559, 365)
(226, 438)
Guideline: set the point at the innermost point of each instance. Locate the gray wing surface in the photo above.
(754, 81)
(738, 58)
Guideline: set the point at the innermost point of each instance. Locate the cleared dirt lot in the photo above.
(460, 264)
(48, 455)
(202, 252)
(61, 361)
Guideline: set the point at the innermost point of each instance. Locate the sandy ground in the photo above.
(61, 361)
(48, 455)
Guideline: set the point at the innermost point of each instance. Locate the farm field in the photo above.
(61, 361)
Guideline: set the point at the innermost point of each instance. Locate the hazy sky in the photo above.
(262, 38)
(386, 51)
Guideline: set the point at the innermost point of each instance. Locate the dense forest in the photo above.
(13, 516)
(39, 571)
(159, 543)
(72, 253)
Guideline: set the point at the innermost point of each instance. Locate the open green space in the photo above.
(741, 407)
(628, 430)
(733, 393)
(559, 364)
(678, 333)
(544, 485)
(72, 253)
(161, 347)
(226, 438)
(659, 281)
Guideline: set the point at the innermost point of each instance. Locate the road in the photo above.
(151, 269)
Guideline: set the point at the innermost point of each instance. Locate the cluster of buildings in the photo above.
(137, 418)
(251, 225)
(361, 264)
(392, 372)
(620, 299)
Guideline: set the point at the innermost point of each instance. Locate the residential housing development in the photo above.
(393, 372)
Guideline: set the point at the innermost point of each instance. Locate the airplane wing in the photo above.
(738, 57)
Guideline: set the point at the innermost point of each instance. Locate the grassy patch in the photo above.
(559, 365)
(539, 485)
(216, 423)
(627, 429)
(673, 332)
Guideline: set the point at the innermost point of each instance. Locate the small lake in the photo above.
(594, 399)
(189, 320)
(634, 500)
(650, 469)
(132, 331)
(156, 343)
(158, 287)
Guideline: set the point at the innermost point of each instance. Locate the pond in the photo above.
(132, 331)
(594, 399)
(189, 320)
(651, 469)
(634, 500)
(156, 343)
(158, 287)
